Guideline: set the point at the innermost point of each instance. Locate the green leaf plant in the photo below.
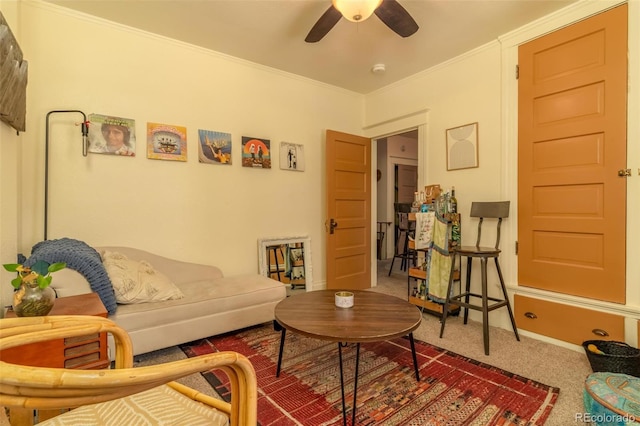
(40, 273)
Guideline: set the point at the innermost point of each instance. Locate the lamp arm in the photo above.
(85, 144)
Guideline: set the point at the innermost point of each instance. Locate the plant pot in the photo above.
(32, 301)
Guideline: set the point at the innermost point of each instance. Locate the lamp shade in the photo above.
(356, 10)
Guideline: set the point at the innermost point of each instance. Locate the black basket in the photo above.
(618, 357)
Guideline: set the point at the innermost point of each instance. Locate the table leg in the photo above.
(344, 410)
(415, 359)
(284, 331)
(355, 386)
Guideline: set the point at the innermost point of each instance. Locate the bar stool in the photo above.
(493, 210)
(406, 229)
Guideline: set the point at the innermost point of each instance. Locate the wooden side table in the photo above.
(86, 352)
(83, 352)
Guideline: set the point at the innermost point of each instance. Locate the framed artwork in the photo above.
(166, 142)
(291, 156)
(256, 153)
(112, 135)
(462, 147)
(214, 147)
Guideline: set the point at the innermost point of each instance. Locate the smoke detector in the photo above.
(378, 69)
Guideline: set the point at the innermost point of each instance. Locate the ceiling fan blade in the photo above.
(396, 17)
(327, 21)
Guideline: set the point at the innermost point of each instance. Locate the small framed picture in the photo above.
(166, 142)
(291, 156)
(214, 147)
(112, 135)
(462, 147)
(256, 152)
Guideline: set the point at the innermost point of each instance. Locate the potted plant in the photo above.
(33, 296)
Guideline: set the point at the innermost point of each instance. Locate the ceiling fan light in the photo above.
(356, 10)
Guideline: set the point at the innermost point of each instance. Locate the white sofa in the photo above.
(212, 303)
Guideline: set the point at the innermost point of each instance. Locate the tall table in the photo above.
(374, 317)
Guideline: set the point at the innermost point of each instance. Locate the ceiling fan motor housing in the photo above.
(356, 10)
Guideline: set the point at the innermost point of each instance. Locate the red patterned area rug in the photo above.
(453, 390)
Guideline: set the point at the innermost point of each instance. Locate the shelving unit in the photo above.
(277, 261)
(417, 274)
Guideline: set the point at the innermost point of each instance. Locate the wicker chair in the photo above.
(110, 394)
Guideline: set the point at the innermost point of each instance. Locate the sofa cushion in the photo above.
(137, 281)
(158, 406)
(178, 271)
(202, 298)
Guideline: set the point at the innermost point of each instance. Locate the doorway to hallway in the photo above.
(397, 164)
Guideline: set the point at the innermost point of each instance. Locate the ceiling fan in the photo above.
(390, 12)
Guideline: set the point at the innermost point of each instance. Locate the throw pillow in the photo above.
(137, 281)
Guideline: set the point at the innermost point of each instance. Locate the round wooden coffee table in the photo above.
(374, 317)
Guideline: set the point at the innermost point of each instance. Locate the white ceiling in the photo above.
(272, 32)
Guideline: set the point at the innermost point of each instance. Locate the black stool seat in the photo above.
(496, 210)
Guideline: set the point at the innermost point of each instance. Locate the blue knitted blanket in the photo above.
(82, 258)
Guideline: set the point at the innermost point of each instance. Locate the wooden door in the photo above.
(571, 144)
(406, 183)
(348, 171)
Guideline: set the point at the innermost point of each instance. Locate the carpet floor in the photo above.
(453, 389)
(557, 366)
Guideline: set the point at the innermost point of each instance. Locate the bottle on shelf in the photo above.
(415, 206)
(424, 207)
(453, 201)
(441, 205)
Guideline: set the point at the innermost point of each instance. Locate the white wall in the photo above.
(199, 212)
(479, 87)
(10, 143)
(458, 92)
(402, 147)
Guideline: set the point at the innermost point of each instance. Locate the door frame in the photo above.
(416, 120)
(390, 213)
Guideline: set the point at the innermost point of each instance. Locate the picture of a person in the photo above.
(290, 157)
(219, 155)
(256, 153)
(117, 139)
(111, 135)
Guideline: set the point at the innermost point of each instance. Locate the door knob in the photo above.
(332, 225)
(624, 172)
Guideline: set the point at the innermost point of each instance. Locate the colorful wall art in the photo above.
(256, 152)
(112, 135)
(214, 147)
(166, 142)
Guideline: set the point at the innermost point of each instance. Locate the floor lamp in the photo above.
(85, 144)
